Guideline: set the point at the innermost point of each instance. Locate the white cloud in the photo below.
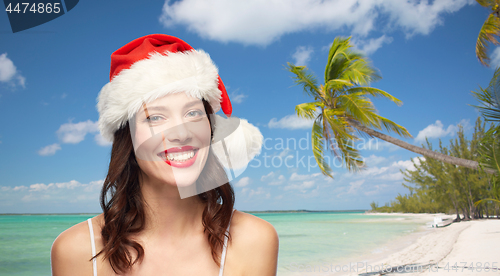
(260, 192)
(406, 164)
(49, 150)
(61, 197)
(7, 68)
(75, 133)
(237, 97)
(93, 186)
(279, 181)
(302, 187)
(377, 189)
(21, 80)
(302, 55)
(101, 141)
(304, 182)
(9, 73)
(495, 58)
(369, 47)
(254, 22)
(290, 122)
(387, 173)
(71, 185)
(267, 177)
(285, 153)
(243, 182)
(374, 160)
(437, 130)
(40, 187)
(379, 145)
(272, 179)
(308, 184)
(355, 186)
(301, 177)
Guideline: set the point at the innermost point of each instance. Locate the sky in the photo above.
(53, 160)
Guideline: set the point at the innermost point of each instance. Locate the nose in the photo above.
(179, 133)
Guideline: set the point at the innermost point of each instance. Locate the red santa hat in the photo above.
(156, 65)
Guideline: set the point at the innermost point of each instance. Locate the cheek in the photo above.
(203, 132)
(141, 135)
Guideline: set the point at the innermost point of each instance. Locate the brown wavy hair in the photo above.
(123, 205)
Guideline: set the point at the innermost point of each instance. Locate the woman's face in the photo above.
(171, 139)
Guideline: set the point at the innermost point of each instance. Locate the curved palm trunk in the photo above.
(425, 152)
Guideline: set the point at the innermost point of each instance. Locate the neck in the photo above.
(167, 215)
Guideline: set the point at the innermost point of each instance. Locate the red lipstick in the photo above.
(181, 164)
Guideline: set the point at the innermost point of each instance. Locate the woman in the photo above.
(167, 202)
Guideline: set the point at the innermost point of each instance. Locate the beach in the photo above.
(463, 248)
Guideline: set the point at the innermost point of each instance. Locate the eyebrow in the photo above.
(163, 108)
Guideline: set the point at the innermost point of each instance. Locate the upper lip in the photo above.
(164, 154)
(179, 149)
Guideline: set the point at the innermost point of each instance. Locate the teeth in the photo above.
(180, 156)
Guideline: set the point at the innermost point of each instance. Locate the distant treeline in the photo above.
(306, 211)
(438, 187)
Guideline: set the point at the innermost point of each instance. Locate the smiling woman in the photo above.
(167, 201)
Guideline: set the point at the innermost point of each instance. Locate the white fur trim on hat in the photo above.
(241, 144)
(192, 72)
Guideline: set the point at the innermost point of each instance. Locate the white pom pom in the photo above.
(236, 142)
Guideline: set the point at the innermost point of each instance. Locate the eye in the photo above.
(154, 118)
(194, 113)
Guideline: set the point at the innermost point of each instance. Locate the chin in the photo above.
(185, 179)
(188, 176)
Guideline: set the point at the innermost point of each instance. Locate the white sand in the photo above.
(438, 250)
(430, 251)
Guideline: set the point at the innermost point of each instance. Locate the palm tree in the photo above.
(342, 111)
(489, 99)
(489, 148)
(489, 31)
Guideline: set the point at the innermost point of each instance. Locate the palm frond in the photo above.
(337, 58)
(486, 3)
(328, 134)
(337, 123)
(358, 107)
(350, 155)
(318, 148)
(489, 149)
(305, 79)
(490, 98)
(337, 85)
(360, 71)
(486, 200)
(308, 110)
(488, 34)
(392, 126)
(344, 148)
(375, 93)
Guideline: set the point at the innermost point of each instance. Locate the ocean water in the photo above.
(305, 238)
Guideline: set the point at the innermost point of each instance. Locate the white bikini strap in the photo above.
(92, 242)
(223, 256)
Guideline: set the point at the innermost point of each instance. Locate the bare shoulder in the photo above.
(250, 228)
(255, 244)
(71, 251)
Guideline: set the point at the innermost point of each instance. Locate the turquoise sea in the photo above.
(308, 238)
